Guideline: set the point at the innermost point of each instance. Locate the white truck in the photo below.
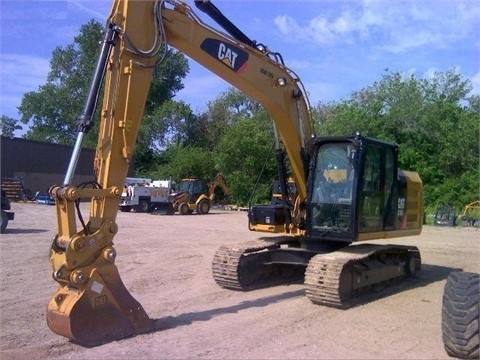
(144, 195)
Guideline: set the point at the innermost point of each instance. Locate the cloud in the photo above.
(92, 8)
(396, 26)
(350, 23)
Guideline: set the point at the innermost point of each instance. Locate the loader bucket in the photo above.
(103, 312)
(164, 209)
(170, 210)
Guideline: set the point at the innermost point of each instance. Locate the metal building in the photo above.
(39, 165)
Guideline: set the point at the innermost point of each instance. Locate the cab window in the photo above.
(376, 198)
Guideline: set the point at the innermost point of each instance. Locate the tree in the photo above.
(434, 121)
(206, 129)
(234, 136)
(8, 126)
(54, 107)
(237, 134)
(244, 153)
(179, 162)
(163, 127)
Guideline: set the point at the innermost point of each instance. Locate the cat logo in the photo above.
(229, 55)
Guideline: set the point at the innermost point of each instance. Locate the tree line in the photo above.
(435, 121)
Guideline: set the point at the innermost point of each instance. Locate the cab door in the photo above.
(377, 191)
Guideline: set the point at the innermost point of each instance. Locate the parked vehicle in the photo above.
(196, 195)
(44, 198)
(6, 215)
(460, 315)
(147, 196)
(445, 215)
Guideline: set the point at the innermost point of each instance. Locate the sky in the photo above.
(336, 47)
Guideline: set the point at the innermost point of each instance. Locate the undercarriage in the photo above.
(332, 276)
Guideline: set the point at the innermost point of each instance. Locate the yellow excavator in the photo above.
(196, 195)
(349, 188)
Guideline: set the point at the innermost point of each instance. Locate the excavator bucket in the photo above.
(103, 312)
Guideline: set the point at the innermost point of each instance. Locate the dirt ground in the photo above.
(165, 262)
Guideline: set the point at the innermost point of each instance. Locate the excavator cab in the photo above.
(355, 192)
(355, 189)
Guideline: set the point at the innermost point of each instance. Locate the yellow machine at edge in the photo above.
(349, 189)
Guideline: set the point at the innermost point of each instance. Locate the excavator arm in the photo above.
(92, 306)
(219, 180)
